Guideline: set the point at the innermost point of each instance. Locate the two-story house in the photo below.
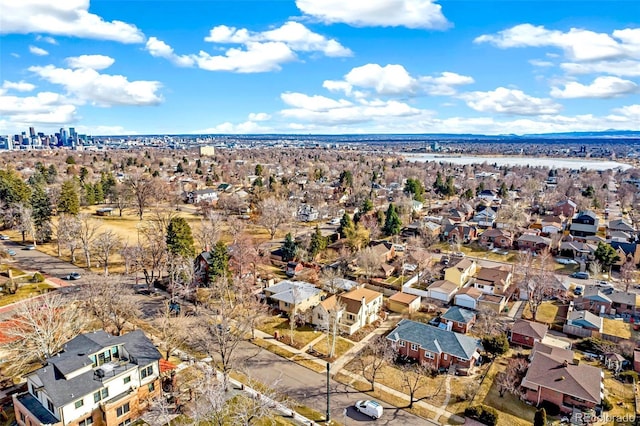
(485, 218)
(494, 280)
(354, 309)
(202, 196)
(533, 243)
(527, 333)
(584, 224)
(566, 208)
(553, 376)
(97, 379)
(434, 346)
(458, 319)
(461, 272)
(496, 238)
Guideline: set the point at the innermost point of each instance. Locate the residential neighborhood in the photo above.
(499, 294)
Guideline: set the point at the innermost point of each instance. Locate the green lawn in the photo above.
(25, 291)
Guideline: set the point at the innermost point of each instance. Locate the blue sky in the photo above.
(319, 66)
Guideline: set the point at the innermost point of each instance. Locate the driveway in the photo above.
(309, 388)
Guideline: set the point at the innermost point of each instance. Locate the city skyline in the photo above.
(327, 67)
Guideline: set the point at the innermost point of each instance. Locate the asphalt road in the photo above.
(309, 388)
(34, 260)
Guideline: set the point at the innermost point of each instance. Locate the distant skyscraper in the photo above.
(32, 131)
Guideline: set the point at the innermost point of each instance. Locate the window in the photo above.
(86, 422)
(114, 352)
(401, 344)
(22, 417)
(147, 371)
(100, 395)
(446, 357)
(125, 423)
(123, 409)
(428, 355)
(152, 386)
(414, 347)
(50, 406)
(127, 379)
(79, 403)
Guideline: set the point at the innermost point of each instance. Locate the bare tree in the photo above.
(154, 256)
(487, 323)
(111, 302)
(173, 331)
(40, 328)
(510, 379)
(274, 214)
(373, 358)
(296, 296)
(209, 404)
(104, 245)
(209, 231)
(332, 324)
(533, 282)
(69, 233)
(369, 261)
(413, 379)
(121, 197)
(131, 255)
(26, 225)
(595, 268)
(88, 229)
(627, 273)
(330, 277)
(143, 189)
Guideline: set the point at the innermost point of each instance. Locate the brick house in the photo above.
(462, 233)
(496, 238)
(439, 348)
(458, 319)
(527, 333)
(553, 376)
(98, 379)
(566, 208)
(533, 243)
(597, 302)
(384, 250)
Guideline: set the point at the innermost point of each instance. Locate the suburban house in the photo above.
(488, 195)
(485, 218)
(403, 303)
(307, 213)
(496, 238)
(527, 333)
(552, 225)
(201, 269)
(494, 280)
(494, 302)
(461, 272)
(289, 295)
(621, 225)
(584, 224)
(97, 378)
(532, 242)
(202, 196)
(442, 290)
(616, 302)
(461, 233)
(468, 297)
(384, 250)
(566, 208)
(293, 268)
(439, 348)
(585, 320)
(458, 319)
(553, 376)
(627, 252)
(355, 309)
(577, 249)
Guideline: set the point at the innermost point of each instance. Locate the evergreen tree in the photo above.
(84, 172)
(468, 194)
(13, 189)
(258, 170)
(41, 213)
(415, 188)
(52, 173)
(496, 345)
(318, 243)
(180, 238)
(288, 248)
(450, 187)
(503, 191)
(346, 178)
(99, 194)
(439, 183)
(70, 160)
(606, 255)
(179, 168)
(108, 183)
(345, 224)
(367, 206)
(69, 201)
(89, 194)
(392, 223)
(540, 418)
(219, 262)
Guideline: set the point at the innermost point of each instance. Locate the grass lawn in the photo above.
(342, 346)
(547, 312)
(24, 292)
(616, 328)
(301, 335)
(271, 347)
(620, 395)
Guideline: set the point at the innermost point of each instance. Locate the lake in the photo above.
(566, 163)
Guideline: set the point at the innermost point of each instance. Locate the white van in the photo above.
(369, 407)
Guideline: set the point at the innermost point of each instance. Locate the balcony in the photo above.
(112, 369)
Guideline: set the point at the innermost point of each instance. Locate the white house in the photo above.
(354, 309)
(486, 218)
(97, 378)
(468, 297)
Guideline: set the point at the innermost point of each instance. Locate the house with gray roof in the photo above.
(586, 320)
(584, 224)
(458, 319)
(442, 349)
(96, 378)
(293, 295)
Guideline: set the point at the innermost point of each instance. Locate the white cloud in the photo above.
(623, 68)
(68, 18)
(38, 51)
(259, 116)
(313, 103)
(509, 101)
(46, 39)
(295, 35)
(43, 108)
(88, 85)
(578, 44)
(20, 86)
(15, 55)
(94, 62)
(160, 49)
(630, 113)
(540, 63)
(601, 87)
(393, 79)
(425, 14)
(102, 130)
(445, 84)
(258, 57)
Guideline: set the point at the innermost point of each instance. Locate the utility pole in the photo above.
(328, 389)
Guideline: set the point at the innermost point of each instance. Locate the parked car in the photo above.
(30, 247)
(580, 275)
(578, 291)
(334, 221)
(457, 254)
(4, 237)
(563, 261)
(73, 276)
(11, 252)
(369, 407)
